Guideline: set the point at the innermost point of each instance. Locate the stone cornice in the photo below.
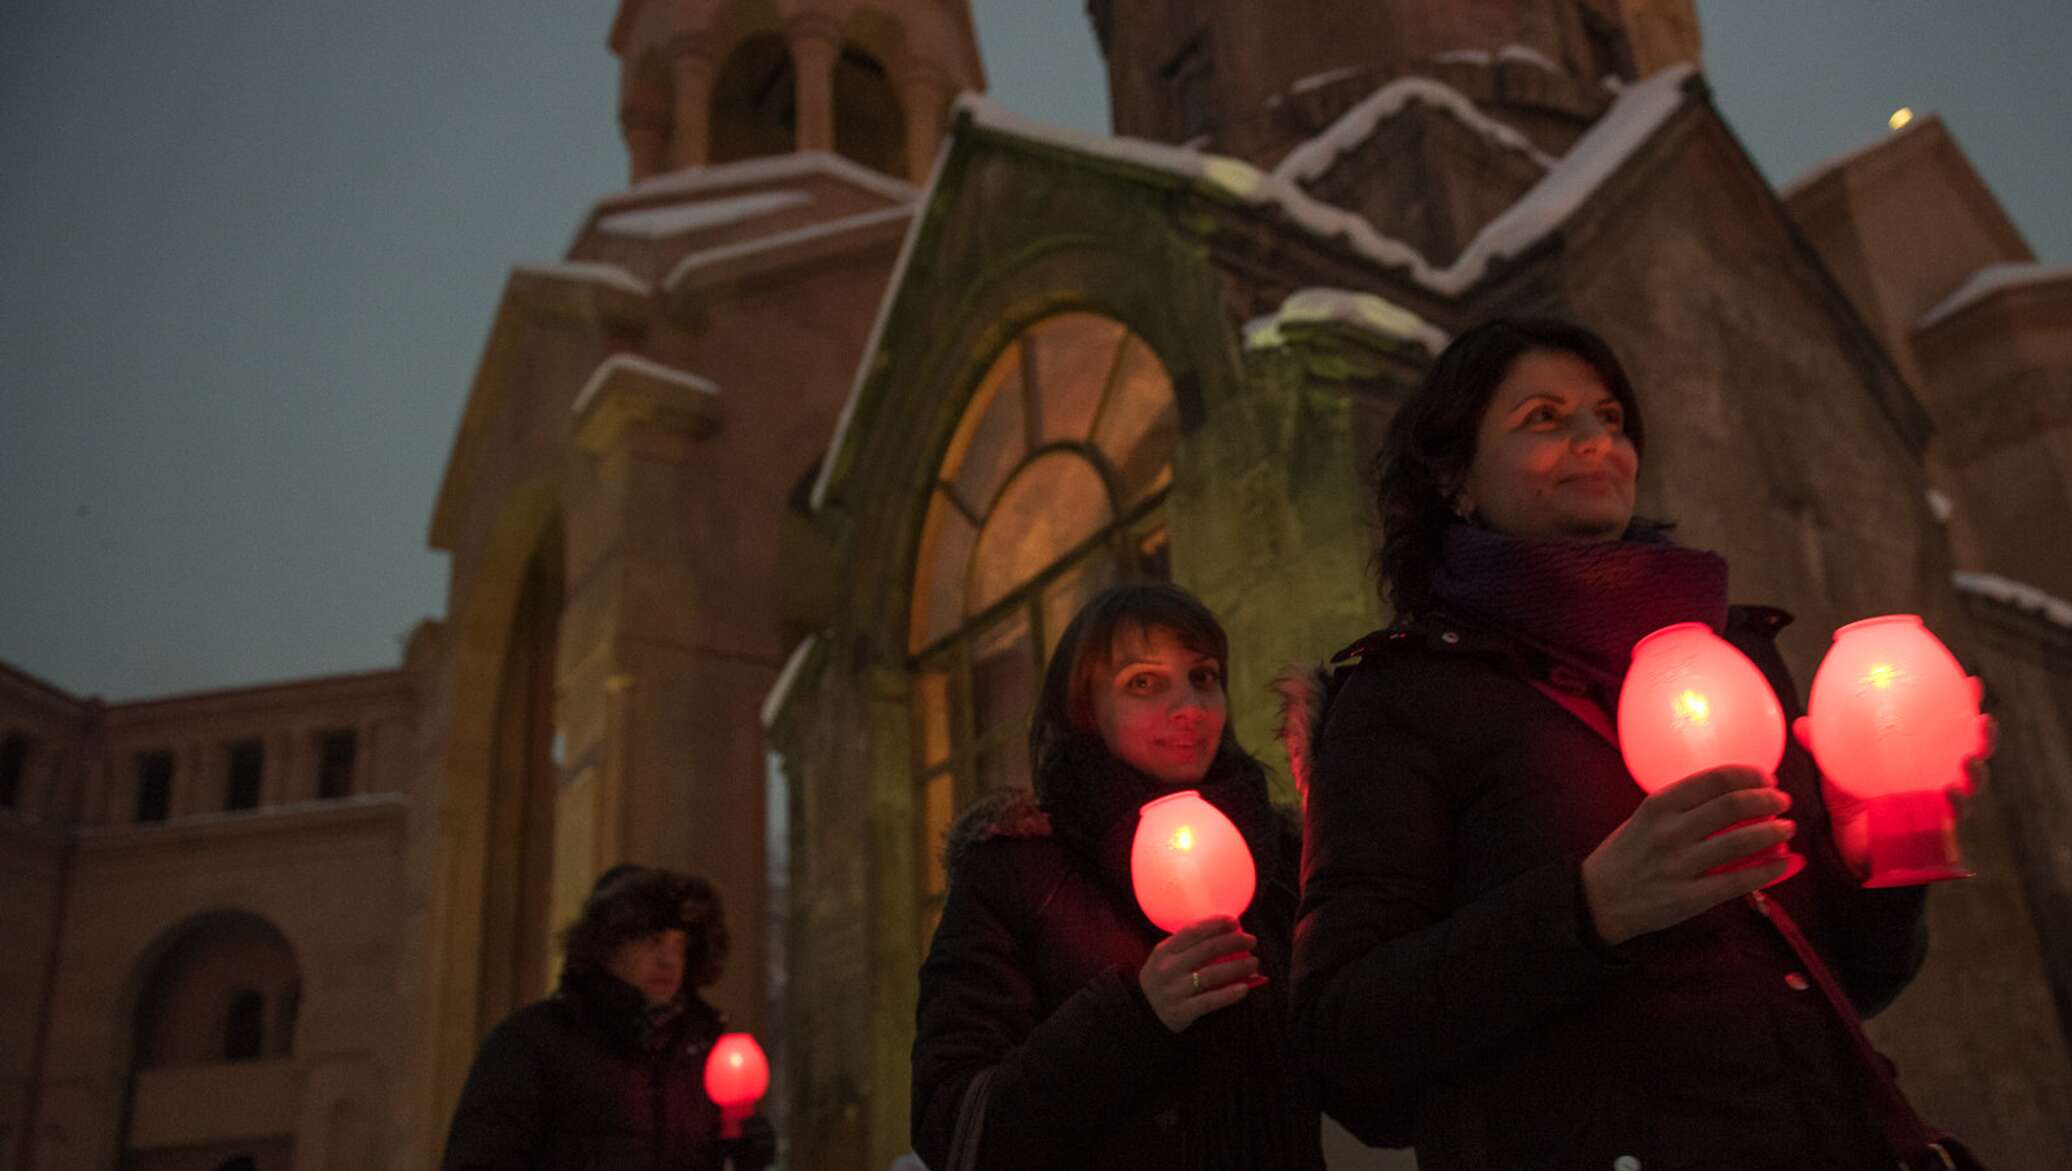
(374, 812)
(630, 391)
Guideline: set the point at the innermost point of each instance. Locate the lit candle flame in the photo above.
(1693, 707)
(1900, 117)
(1183, 838)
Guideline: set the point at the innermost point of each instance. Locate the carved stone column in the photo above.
(816, 44)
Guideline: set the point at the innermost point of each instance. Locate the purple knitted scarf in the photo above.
(1583, 604)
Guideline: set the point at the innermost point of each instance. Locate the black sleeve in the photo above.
(501, 1122)
(1056, 1081)
(1395, 987)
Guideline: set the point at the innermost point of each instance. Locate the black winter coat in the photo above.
(1033, 973)
(1454, 993)
(578, 1082)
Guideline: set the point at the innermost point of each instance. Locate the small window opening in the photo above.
(336, 753)
(154, 784)
(247, 765)
(14, 759)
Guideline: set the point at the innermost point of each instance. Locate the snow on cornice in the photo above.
(1313, 159)
(655, 223)
(2049, 607)
(1521, 54)
(727, 253)
(780, 691)
(635, 364)
(1317, 81)
(747, 172)
(1226, 178)
(594, 272)
(1987, 281)
(1634, 117)
(1362, 311)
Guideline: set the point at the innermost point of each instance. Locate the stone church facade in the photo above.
(771, 496)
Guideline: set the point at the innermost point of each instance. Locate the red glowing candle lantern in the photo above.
(736, 1077)
(1188, 862)
(1692, 702)
(1893, 718)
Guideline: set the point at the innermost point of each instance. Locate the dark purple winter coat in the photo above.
(1453, 994)
(1031, 979)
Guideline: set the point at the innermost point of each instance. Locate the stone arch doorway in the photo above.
(211, 1078)
(518, 859)
(1050, 490)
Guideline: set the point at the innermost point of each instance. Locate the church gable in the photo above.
(1420, 163)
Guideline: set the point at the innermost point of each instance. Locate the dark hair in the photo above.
(1086, 652)
(1430, 443)
(629, 902)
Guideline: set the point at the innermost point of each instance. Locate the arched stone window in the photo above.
(869, 125)
(1050, 490)
(755, 101)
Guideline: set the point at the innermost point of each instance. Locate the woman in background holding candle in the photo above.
(1507, 955)
(1057, 1026)
(608, 1071)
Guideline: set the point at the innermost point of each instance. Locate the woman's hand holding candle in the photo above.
(1198, 969)
(1661, 866)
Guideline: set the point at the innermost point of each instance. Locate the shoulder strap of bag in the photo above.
(1918, 1145)
(971, 1122)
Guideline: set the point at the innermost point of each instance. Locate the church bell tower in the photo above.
(716, 81)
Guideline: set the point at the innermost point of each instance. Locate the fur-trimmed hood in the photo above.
(1305, 689)
(1002, 813)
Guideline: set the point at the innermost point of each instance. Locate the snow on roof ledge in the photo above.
(748, 172)
(780, 691)
(1990, 280)
(829, 229)
(1523, 54)
(656, 223)
(588, 271)
(2050, 608)
(1362, 311)
(635, 364)
(1315, 158)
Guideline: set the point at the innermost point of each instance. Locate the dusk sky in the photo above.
(251, 251)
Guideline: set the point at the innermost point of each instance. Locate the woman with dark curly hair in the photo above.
(609, 1070)
(1058, 1027)
(1507, 955)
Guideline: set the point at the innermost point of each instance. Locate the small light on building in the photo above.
(1900, 117)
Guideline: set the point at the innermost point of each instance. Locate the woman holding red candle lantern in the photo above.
(1057, 1026)
(610, 1071)
(1508, 955)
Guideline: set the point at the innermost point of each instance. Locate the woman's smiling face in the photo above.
(1161, 706)
(1552, 458)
